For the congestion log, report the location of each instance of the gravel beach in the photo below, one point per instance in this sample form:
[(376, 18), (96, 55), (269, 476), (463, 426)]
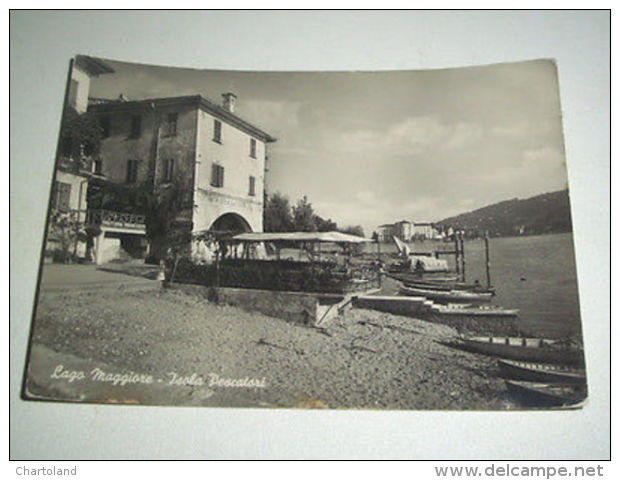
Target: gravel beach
[(200, 353)]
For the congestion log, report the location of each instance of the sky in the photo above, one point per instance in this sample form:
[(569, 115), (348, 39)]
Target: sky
[(369, 148)]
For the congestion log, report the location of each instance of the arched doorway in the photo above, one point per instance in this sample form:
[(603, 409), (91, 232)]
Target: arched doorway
[(231, 223)]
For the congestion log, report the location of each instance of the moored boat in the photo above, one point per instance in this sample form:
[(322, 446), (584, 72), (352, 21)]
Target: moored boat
[(405, 276), (447, 286), (541, 372), (544, 350), (547, 394), (455, 296)]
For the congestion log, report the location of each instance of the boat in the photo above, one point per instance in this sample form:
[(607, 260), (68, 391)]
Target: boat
[(541, 372), (446, 286), (547, 394), (454, 296), (544, 350), (405, 277), (475, 310)]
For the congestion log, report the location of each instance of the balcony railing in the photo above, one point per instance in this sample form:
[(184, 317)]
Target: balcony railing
[(109, 218)]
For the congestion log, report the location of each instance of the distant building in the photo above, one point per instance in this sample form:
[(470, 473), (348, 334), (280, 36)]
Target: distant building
[(425, 230), (403, 230), (385, 232)]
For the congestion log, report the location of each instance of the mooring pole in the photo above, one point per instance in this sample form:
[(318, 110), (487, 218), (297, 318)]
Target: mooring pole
[(456, 252), (486, 256), (462, 256), (217, 264), (379, 262)]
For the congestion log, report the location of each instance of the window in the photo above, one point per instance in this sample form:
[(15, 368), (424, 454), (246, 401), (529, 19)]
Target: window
[(217, 176), (73, 92), (104, 124), (61, 196), (217, 131), (171, 124), (252, 191), (66, 146), (168, 169), (136, 126), (132, 171), (98, 166), (252, 148)]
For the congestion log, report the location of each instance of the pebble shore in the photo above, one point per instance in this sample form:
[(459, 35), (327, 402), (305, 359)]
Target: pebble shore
[(363, 359)]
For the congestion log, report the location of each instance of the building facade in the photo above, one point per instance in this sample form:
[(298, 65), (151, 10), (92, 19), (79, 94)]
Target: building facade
[(73, 167), (197, 158), (425, 231), (403, 230)]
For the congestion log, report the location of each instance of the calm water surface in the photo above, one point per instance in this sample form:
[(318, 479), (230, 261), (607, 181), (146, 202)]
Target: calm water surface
[(535, 274)]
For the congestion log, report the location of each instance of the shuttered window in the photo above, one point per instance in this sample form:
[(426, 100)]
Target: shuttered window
[(132, 171), (104, 124), (252, 190), (136, 126), (217, 176), (252, 148), (171, 124), (168, 170), (217, 131)]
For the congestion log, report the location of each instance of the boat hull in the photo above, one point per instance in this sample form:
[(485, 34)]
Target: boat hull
[(455, 296), (413, 277), (447, 286), (538, 394), (526, 349), (537, 372)]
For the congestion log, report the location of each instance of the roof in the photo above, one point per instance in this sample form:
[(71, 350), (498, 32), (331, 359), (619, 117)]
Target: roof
[(148, 104), (92, 66), (328, 237)]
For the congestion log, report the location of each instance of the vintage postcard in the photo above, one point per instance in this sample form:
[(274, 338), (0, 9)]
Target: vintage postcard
[(344, 240)]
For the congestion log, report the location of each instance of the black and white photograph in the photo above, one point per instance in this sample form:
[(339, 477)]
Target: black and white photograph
[(395, 240)]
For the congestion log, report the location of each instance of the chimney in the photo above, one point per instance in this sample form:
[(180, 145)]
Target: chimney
[(229, 101)]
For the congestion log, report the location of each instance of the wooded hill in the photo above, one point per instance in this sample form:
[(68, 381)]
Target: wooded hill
[(546, 213)]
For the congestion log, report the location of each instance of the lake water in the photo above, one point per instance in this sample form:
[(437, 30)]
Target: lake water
[(535, 274)]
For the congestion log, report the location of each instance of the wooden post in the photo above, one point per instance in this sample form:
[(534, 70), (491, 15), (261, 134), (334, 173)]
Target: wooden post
[(488, 263), (379, 263), (462, 255), (217, 263), (456, 252)]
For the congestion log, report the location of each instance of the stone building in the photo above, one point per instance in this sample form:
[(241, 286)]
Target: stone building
[(425, 230), (73, 165), (403, 230), (186, 152)]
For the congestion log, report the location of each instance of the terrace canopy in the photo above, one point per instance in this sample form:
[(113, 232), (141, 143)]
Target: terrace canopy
[(321, 237)]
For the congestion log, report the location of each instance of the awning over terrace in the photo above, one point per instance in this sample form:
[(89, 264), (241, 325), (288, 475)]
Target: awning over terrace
[(322, 237)]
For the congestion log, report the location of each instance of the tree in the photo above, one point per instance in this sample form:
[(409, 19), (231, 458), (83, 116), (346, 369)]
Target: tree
[(163, 204), (277, 215), (80, 132), (323, 225), (356, 230), (303, 216)]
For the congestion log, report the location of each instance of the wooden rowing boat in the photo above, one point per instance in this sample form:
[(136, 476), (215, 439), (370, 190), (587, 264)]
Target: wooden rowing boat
[(446, 286), (541, 372), (547, 394), (413, 277), (544, 350), (455, 296), (475, 310)]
